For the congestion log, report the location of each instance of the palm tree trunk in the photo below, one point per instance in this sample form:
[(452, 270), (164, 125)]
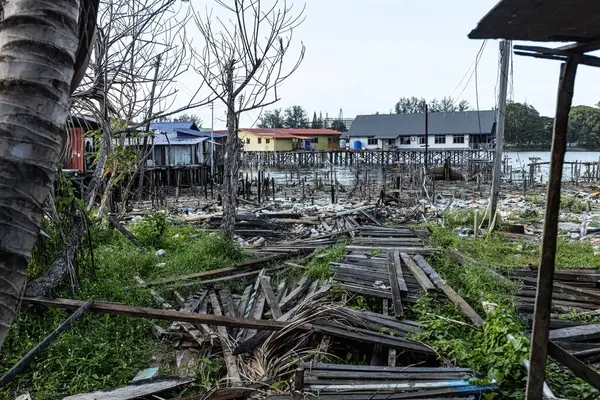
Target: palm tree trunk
[(38, 47)]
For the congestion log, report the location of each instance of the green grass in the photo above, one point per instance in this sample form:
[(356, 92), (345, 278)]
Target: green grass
[(319, 267), (100, 351), (487, 349)]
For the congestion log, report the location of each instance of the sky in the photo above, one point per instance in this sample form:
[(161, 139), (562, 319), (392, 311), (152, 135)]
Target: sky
[(362, 55)]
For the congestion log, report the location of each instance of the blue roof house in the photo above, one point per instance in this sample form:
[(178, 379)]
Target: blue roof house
[(183, 143)]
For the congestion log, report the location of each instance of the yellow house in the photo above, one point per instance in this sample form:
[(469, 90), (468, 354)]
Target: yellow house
[(289, 139)]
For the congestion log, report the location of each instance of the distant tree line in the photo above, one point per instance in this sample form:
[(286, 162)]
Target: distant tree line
[(527, 129), (182, 118), (414, 105), (297, 117)]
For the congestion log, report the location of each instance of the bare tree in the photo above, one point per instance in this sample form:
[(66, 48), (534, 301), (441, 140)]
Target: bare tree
[(124, 86), (243, 65), (44, 46)]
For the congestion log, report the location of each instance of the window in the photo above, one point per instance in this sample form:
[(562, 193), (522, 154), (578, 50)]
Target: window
[(422, 140), (372, 142), (314, 140), (405, 140), (247, 140), (259, 140), (329, 140), (268, 141), (391, 142), (440, 139), (458, 139)]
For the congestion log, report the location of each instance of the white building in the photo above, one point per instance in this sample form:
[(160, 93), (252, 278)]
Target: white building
[(446, 130)]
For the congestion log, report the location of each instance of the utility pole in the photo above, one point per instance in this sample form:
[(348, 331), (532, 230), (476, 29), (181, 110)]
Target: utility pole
[(426, 135), (505, 50), (212, 140)]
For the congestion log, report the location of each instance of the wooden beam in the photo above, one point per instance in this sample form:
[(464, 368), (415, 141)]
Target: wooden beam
[(396, 300), (43, 345), (233, 374), (399, 274), (270, 296), (448, 291), (220, 271), (133, 391), (102, 307), (580, 369), (418, 273), (543, 301)]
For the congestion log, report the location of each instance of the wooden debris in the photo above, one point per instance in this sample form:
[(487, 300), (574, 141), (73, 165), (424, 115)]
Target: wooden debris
[(233, 375), (418, 273), (170, 315), (270, 296), (43, 345), (393, 279), (133, 391), (448, 291)]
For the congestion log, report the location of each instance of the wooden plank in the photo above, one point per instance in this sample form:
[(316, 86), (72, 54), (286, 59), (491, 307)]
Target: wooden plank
[(408, 250), (366, 368), (577, 333), (579, 369), (418, 273), (43, 345), (448, 291), (566, 288), (244, 301), (366, 336), (396, 300), (169, 315), (399, 274), (133, 391), (256, 340), (227, 300), (220, 271), (270, 296), (377, 375), (312, 288), (233, 374)]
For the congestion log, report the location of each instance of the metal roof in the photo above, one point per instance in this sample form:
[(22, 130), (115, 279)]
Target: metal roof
[(541, 20), (171, 126), (174, 140), (390, 126), (200, 133)]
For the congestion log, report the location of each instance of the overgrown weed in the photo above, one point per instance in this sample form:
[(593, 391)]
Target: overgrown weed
[(101, 351)]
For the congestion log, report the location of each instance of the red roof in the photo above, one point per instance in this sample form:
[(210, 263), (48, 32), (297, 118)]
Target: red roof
[(284, 133)]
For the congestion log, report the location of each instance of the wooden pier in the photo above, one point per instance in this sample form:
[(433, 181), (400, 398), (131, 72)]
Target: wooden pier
[(308, 159)]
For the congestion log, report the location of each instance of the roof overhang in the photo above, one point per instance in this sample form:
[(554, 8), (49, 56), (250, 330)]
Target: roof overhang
[(542, 21)]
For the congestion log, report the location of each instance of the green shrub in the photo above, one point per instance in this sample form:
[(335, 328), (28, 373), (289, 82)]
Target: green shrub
[(151, 229)]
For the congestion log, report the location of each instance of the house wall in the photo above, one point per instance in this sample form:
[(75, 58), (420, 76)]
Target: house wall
[(177, 155), (250, 141), (414, 143), (324, 142)]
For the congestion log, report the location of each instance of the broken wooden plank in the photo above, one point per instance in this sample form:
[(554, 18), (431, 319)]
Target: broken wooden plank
[(577, 333), (399, 274), (227, 300), (43, 345), (220, 271), (408, 250), (270, 296), (133, 391), (233, 374), (396, 300), (579, 369), (448, 291), (130, 236), (418, 273), (256, 340), (244, 301), (366, 336), (169, 315)]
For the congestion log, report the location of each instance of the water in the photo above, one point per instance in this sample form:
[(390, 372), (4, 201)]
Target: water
[(519, 160), (346, 175)]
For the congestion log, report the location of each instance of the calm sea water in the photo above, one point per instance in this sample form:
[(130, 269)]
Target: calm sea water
[(520, 159)]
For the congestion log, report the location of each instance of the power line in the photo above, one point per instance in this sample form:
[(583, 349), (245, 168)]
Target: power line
[(477, 59)]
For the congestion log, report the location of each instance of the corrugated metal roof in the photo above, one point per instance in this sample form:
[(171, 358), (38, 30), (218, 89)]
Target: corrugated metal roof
[(171, 126), (390, 126), (200, 133), (174, 140), (290, 132)]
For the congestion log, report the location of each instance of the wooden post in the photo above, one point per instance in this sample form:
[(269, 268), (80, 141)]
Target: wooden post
[(541, 317), (23, 362)]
